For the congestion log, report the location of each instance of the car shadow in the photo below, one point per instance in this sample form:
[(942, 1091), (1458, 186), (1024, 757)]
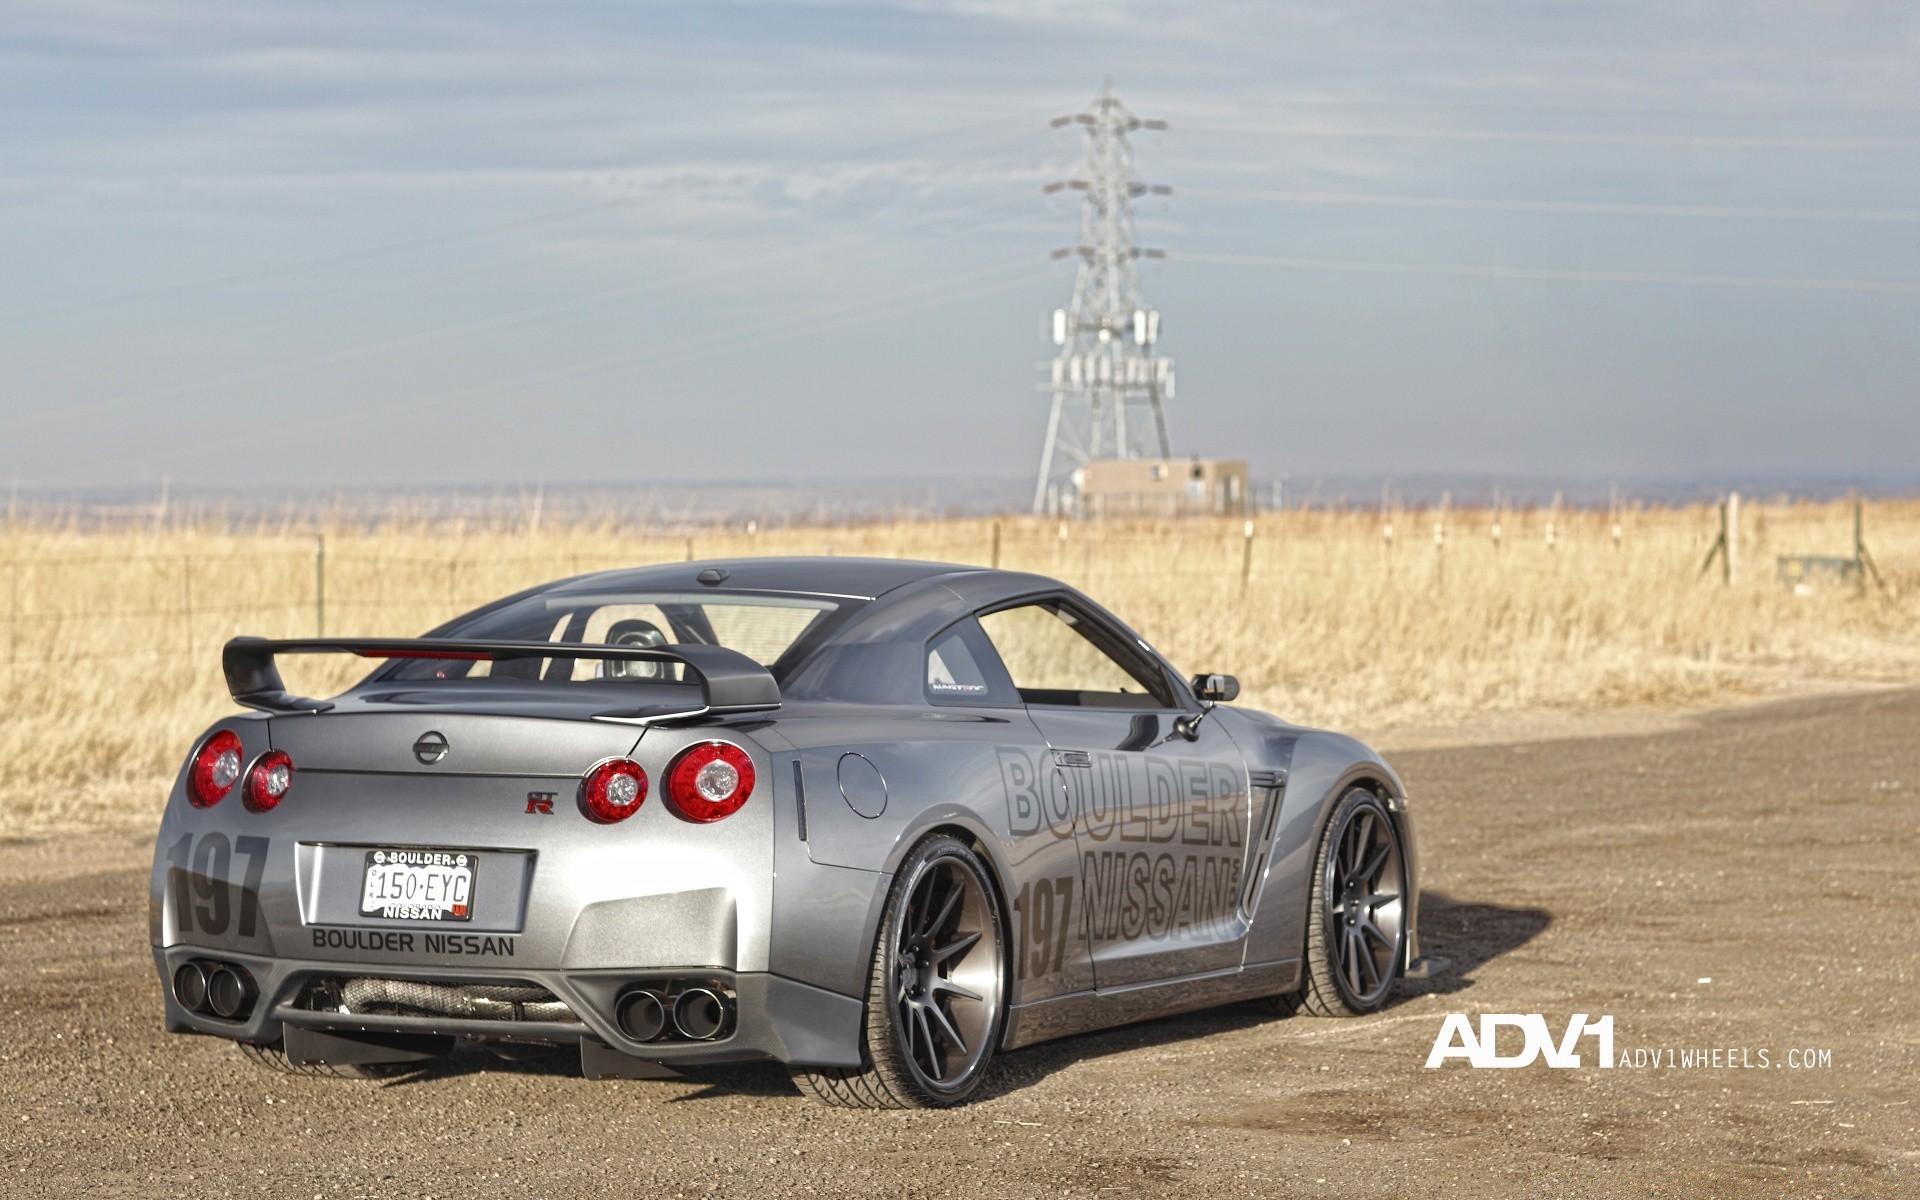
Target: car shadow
[(1467, 933), (713, 1081), (471, 1059), (738, 1079)]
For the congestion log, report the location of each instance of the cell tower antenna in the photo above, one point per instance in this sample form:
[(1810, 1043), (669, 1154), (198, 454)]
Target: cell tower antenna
[(1108, 381)]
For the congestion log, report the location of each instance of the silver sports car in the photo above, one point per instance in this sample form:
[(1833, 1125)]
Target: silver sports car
[(871, 819)]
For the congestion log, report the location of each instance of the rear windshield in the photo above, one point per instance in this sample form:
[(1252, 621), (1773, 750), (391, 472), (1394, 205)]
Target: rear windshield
[(777, 631)]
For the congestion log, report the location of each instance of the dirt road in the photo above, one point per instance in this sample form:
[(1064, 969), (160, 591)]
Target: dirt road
[(1746, 885)]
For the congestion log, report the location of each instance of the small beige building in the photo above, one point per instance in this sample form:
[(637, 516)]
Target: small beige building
[(1162, 487)]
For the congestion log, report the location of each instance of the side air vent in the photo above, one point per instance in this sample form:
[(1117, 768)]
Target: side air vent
[(1270, 782)]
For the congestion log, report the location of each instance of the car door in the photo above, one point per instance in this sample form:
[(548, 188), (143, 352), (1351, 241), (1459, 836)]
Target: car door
[(1159, 805), (964, 681)]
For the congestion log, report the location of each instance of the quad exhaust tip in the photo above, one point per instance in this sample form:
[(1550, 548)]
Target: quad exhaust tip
[(642, 1016), (699, 1013), (229, 994), (190, 987), (215, 989), (674, 1011)]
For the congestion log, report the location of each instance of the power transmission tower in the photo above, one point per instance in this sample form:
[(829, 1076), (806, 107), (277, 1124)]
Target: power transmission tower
[(1107, 381)]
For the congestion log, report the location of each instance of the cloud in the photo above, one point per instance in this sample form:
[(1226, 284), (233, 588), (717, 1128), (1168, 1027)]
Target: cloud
[(515, 157)]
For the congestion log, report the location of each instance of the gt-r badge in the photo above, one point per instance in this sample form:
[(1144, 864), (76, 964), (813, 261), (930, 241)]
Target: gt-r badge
[(431, 748), (541, 802)]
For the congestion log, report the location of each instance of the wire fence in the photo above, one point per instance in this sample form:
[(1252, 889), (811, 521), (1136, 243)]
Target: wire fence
[(64, 607)]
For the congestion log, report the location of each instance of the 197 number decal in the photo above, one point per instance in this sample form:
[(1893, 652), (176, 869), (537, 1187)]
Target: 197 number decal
[(204, 888), (1043, 947)]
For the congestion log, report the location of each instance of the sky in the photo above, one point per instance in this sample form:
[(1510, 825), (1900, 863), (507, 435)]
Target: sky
[(276, 243)]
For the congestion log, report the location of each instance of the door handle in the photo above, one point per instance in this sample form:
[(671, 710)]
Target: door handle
[(1073, 758)]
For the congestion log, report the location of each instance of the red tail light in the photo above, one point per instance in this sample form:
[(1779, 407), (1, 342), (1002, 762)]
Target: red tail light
[(216, 768), (614, 790), (710, 781), (268, 782)]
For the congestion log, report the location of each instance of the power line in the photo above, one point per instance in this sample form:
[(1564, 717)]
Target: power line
[(70, 411), (929, 294), (1559, 137), (969, 131), (1590, 110), (1567, 207), (1556, 274), (386, 250)]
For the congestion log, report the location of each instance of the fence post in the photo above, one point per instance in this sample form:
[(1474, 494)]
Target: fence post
[(1246, 553), (1386, 519), (186, 592), (1733, 536), (1863, 557), (319, 585), (1859, 548), (1718, 547), (13, 616)]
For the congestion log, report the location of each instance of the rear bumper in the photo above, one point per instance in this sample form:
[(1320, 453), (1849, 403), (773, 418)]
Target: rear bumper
[(774, 1017)]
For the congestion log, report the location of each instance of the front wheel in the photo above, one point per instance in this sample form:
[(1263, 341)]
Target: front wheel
[(936, 993), (1356, 913)]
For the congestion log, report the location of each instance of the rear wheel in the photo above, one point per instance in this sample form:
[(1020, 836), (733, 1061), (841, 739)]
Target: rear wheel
[(274, 1058), (1356, 913), (936, 993)]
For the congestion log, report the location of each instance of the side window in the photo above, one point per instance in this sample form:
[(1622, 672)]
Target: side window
[(1057, 656), (961, 669)]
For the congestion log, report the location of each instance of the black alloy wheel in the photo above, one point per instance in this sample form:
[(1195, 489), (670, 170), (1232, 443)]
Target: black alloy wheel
[(936, 996), (1356, 922)]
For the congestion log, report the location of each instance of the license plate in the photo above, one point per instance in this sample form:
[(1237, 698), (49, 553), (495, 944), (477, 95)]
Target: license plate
[(419, 885)]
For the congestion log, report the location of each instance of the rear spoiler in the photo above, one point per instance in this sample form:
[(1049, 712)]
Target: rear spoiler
[(729, 680)]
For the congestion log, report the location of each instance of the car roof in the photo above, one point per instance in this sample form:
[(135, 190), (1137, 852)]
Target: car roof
[(859, 578)]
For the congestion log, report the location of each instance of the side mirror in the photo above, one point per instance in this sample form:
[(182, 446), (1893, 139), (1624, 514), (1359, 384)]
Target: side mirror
[(1216, 689)]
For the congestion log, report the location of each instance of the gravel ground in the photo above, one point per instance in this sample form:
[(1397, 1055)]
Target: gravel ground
[(1746, 883)]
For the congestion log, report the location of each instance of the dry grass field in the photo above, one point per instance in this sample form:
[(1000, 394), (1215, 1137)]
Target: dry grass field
[(112, 637)]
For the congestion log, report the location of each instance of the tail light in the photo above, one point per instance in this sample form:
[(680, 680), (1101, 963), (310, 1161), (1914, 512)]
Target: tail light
[(710, 781), (614, 790), (216, 768), (268, 782)]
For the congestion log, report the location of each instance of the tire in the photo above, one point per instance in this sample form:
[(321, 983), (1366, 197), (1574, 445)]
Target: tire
[(274, 1058), (936, 990), (1356, 913)]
